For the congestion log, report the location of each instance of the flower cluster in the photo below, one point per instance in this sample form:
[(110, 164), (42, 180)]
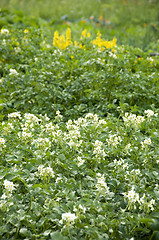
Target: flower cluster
[(98, 151), (128, 148), (45, 172), (63, 42), (146, 205), (101, 184), (149, 113), (68, 218), (42, 143), (24, 135), (146, 143), (49, 127), (120, 164), (85, 34), (131, 120), (2, 141), (71, 151), (133, 175), (13, 72), (114, 140), (103, 43), (14, 115), (80, 161), (9, 186), (58, 115), (4, 31), (134, 200), (7, 127), (31, 118)]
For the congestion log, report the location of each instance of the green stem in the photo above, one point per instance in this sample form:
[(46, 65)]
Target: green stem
[(68, 229)]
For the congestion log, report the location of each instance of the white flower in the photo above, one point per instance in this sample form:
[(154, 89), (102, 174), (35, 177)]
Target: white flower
[(58, 179), (46, 171), (152, 202), (112, 55), (137, 171), (101, 184), (50, 171), (132, 196), (150, 59), (68, 217), (14, 115), (4, 31), (149, 113), (81, 208), (146, 142), (2, 141), (71, 143), (4, 196), (142, 200), (89, 115), (17, 49), (57, 112), (8, 185), (98, 143), (102, 121), (13, 72), (80, 161), (133, 120), (1, 80), (31, 118), (40, 168), (4, 42), (26, 135), (114, 140)]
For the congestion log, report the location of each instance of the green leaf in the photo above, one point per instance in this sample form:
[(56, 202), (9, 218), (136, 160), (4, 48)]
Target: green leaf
[(61, 157), (58, 236), (146, 220), (155, 225), (24, 232), (47, 232)]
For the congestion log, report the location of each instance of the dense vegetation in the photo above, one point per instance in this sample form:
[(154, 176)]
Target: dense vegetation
[(79, 121)]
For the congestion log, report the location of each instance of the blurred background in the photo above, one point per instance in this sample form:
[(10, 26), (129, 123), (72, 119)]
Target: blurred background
[(133, 22)]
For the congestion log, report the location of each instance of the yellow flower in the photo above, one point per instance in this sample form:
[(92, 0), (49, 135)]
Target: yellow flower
[(26, 31), (103, 43), (68, 36), (84, 33), (76, 43), (60, 41), (55, 39)]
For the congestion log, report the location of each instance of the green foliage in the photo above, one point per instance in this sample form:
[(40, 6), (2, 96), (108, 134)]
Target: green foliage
[(78, 131), (74, 81), (102, 171), (134, 23)]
